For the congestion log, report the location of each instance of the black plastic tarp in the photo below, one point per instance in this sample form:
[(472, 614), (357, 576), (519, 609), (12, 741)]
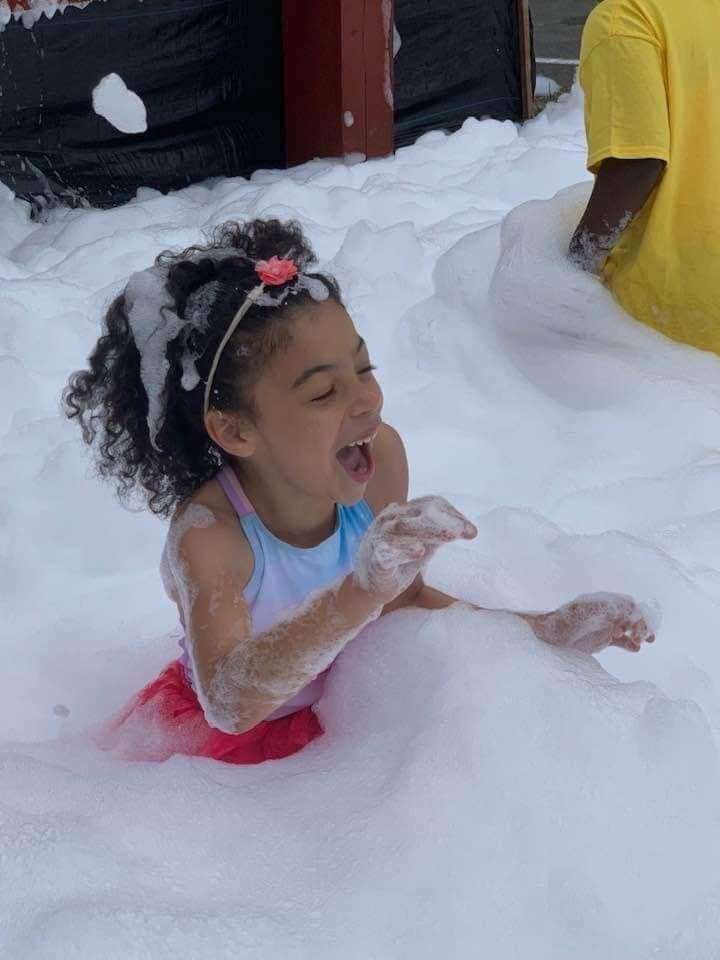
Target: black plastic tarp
[(458, 58), (208, 71)]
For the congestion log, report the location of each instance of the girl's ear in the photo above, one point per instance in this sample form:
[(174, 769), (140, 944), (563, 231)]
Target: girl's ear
[(232, 432)]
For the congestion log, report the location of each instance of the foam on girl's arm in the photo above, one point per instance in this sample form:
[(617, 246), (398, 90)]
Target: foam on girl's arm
[(263, 672), (241, 677), (278, 663)]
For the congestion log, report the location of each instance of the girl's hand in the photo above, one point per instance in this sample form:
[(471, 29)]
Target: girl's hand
[(595, 621), (400, 542)]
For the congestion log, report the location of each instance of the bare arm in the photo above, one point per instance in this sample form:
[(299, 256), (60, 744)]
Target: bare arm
[(243, 678), (588, 623), (622, 187)]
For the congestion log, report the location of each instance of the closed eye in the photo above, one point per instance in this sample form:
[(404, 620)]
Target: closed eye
[(324, 396), (329, 393)]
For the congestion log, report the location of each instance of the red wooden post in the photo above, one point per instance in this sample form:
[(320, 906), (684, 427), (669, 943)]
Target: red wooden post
[(338, 78), (525, 55)]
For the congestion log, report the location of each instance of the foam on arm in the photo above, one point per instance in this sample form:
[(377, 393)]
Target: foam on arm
[(243, 677)]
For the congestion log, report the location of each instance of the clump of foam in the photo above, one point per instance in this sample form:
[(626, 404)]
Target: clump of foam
[(154, 325), (315, 286), (36, 10), (119, 106), (190, 375), (200, 303)]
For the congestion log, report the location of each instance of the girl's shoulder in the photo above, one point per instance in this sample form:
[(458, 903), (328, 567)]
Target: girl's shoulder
[(206, 540), (390, 481)]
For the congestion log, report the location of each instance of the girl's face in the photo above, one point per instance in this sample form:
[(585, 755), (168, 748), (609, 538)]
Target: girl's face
[(319, 407)]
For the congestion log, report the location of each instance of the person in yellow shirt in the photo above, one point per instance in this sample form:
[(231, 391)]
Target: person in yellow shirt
[(650, 71)]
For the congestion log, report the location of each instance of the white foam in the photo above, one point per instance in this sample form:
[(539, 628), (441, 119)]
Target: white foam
[(154, 325), (476, 789), (119, 106), (37, 9), (546, 86)]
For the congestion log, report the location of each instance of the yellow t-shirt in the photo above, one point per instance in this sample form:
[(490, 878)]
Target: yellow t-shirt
[(650, 70)]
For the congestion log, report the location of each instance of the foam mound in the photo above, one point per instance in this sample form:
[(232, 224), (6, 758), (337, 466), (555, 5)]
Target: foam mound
[(476, 792)]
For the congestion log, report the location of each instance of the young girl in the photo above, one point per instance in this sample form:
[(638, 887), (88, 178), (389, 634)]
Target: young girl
[(231, 387)]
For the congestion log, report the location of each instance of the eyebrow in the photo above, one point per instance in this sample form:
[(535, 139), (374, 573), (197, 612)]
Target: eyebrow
[(322, 368)]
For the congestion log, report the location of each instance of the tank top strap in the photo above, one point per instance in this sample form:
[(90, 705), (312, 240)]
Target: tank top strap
[(228, 480)]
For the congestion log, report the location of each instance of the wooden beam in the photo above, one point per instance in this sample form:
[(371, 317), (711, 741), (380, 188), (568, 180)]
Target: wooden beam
[(525, 54), (338, 78), (379, 88)]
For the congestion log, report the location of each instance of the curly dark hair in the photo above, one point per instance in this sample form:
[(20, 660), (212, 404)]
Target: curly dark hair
[(109, 399)]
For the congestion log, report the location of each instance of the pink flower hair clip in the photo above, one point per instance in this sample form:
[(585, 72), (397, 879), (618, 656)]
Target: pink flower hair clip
[(275, 272)]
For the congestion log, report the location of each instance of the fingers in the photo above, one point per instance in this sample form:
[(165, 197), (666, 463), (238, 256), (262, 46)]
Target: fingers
[(433, 510), (631, 635), (427, 532), (630, 646), (465, 529), (397, 551), (627, 625), (427, 518), (626, 643), (639, 632)]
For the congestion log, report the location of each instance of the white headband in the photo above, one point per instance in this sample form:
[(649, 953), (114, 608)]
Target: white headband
[(249, 300)]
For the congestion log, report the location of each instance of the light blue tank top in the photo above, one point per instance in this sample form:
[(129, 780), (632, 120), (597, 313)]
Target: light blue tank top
[(284, 576)]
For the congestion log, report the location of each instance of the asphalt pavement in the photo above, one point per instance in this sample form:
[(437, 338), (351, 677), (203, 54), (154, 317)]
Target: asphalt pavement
[(558, 27)]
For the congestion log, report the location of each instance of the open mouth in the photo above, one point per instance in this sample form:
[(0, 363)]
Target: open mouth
[(356, 459)]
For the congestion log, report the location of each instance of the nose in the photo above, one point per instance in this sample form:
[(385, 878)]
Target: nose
[(368, 400)]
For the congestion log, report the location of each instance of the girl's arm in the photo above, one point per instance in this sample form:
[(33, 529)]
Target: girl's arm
[(243, 677), (589, 623)]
